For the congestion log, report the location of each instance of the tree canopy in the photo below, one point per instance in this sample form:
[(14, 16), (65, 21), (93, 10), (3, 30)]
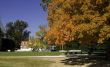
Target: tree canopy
[(17, 31), (87, 21)]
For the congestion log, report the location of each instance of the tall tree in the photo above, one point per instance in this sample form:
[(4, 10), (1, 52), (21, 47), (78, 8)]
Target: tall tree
[(87, 21), (17, 31), (79, 19)]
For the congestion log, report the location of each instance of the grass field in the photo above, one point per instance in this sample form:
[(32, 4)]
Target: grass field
[(30, 53), (23, 62), (12, 59)]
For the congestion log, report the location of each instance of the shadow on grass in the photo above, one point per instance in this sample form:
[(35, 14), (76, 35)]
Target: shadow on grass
[(91, 61)]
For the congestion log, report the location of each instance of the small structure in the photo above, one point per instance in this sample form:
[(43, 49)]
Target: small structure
[(25, 46)]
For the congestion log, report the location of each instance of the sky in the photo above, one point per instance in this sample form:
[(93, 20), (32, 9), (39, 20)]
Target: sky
[(26, 10)]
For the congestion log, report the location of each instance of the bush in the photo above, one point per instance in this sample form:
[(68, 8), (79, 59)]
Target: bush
[(7, 44)]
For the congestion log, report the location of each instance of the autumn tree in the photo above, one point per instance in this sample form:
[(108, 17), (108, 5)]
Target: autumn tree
[(87, 21)]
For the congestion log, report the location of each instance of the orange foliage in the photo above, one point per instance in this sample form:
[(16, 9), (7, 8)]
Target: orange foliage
[(85, 20)]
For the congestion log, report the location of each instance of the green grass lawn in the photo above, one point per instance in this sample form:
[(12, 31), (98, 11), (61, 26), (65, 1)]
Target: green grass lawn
[(12, 59), (30, 53), (23, 62)]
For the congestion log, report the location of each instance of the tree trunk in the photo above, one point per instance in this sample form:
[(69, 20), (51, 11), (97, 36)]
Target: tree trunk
[(107, 50)]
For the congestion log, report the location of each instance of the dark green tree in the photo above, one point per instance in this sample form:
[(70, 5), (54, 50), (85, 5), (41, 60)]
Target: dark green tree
[(25, 35), (17, 31)]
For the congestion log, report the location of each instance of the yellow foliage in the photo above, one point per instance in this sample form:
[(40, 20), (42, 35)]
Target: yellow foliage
[(85, 20)]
